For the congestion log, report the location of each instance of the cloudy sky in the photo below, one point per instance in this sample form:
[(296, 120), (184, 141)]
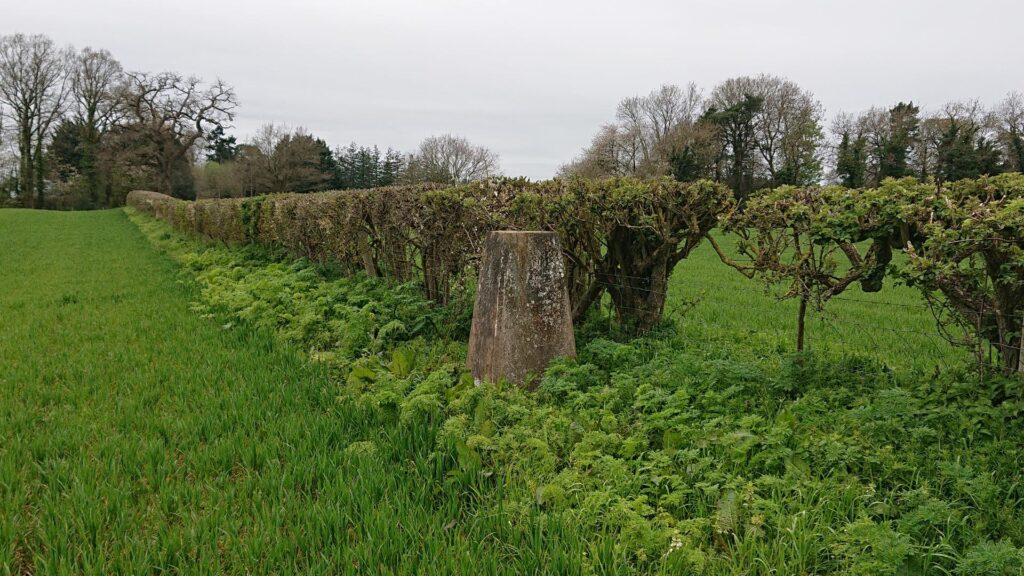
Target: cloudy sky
[(534, 79)]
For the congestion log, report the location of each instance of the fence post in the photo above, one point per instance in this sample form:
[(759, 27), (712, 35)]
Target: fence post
[(521, 318)]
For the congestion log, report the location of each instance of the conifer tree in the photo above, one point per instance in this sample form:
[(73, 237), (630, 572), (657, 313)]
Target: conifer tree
[(851, 162), (896, 145)]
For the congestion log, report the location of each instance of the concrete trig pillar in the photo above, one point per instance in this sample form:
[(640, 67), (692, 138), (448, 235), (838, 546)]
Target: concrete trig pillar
[(521, 318)]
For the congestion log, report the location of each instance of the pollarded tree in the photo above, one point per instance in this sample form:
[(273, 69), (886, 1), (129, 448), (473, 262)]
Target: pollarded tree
[(811, 240), (624, 236), (970, 264)]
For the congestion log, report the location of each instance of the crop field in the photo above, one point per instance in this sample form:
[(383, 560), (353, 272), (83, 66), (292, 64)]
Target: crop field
[(140, 437), (175, 405)]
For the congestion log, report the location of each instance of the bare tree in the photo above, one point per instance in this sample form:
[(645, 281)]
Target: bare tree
[(167, 114), (790, 133), (669, 106), (784, 130), (612, 152), (1008, 119), (451, 159), (646, 133), (278, 160), (34, 86), (96, 79)]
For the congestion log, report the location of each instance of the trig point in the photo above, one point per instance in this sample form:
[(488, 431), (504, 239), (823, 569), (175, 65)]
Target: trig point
[(521, 319)]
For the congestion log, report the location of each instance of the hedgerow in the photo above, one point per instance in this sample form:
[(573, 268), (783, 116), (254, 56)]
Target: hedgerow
[(623, 237), (697, 463), (620, 236)]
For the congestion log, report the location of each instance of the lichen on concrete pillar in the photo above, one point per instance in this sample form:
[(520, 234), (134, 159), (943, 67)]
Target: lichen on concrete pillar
[(521, 318)]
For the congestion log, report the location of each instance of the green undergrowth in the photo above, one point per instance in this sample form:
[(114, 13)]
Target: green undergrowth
[(662, 453)]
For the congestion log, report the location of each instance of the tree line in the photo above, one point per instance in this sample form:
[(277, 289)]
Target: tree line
[(80, 131), (278, 159), (77, 130), (764, 131)]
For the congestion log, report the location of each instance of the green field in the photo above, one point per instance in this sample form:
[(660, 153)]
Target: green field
[(743, 316), (159, 413), (139, 437)]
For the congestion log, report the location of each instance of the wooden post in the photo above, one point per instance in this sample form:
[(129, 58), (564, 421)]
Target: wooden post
[(521, 318)]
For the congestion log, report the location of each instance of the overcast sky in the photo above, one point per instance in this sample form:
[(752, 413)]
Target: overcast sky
[(534, 79)]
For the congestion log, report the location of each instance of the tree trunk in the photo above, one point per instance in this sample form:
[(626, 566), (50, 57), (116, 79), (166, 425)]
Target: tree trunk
[(800, 323), (40, 177), (1010, 341), (92, 177), (1007, 318), (27, 167), (366, 255), (586, 300), (637, 279), (1010, 355), (167, 175)]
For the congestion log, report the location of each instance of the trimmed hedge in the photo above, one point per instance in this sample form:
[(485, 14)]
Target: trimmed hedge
[(620, 236)]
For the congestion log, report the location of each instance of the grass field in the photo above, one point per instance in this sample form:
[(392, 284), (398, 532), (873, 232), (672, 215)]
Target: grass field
[(743, 316), (155, 420), (139, 437)]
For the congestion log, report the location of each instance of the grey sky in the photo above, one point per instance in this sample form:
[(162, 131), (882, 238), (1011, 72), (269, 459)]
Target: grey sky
[(530, 79)]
